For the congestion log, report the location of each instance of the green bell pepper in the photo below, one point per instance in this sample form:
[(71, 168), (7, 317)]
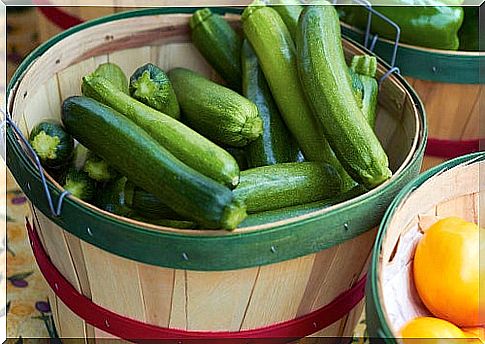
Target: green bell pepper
[(425, 23)]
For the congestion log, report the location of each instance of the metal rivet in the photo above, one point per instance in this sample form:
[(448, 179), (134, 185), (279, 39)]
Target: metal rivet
[(185, 256), (434, 69), (58, 61), (56, 286), (106, 323), (89, 231), (273, 249), (25, 94), (315, 324), (346, 226), (28, 185)]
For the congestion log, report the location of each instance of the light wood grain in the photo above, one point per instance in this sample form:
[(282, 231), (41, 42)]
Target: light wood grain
[(178, 313), (71, 326), (114, 282)]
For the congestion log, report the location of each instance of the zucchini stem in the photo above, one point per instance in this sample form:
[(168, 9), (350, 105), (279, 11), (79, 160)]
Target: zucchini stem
[(45, 146)]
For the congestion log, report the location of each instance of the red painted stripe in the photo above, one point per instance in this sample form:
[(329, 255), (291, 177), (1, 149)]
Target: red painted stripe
[(450, 148), (57, 16), (137, 331)]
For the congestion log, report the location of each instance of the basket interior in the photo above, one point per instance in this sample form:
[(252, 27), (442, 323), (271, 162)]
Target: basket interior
[(165, 41), (454, 192)]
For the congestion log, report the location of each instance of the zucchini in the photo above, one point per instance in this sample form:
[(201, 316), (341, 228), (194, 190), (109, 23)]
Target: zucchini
[(187, 145), (284, 185), (289, 11), (98, 169), (147, 204), (52, 144), (136, 155), (275, 145), (219, 44), (215, 111), (273, 45), (240, 155), (112, 198), (357, 87), (364, 68), (114, 74), (326, 80), (299, 210), (150, 85), (79, 184)]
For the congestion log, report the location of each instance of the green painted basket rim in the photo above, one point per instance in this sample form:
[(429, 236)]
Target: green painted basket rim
[(446, 66), (372, 288), (209, 253)]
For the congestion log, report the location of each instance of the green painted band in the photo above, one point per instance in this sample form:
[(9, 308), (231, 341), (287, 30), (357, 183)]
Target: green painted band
[(376, 322), (427, 64), (208, 253)]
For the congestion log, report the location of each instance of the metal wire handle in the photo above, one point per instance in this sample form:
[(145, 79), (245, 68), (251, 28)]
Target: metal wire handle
[(56, 211)]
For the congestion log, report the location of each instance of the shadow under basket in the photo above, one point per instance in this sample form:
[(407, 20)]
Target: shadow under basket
[(454, 188), (115, 277)]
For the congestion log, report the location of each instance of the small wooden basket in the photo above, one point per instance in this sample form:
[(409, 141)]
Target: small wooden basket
[(454, 188), (111, 275)]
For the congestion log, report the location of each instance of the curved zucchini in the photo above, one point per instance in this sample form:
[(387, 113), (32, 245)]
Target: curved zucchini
[(136, 155), (114, 74), (284, 185), (187, 145), (219, 44), (275, 145), (326, 80), (52, 144), (150, 85), (272, 43), (215, 111)]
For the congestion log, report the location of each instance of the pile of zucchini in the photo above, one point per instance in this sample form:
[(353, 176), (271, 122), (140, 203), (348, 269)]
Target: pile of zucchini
[(290, 131)]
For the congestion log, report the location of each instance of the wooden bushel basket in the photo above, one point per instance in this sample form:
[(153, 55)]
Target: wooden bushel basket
[(454, 188), (450, 85), (115, 277)]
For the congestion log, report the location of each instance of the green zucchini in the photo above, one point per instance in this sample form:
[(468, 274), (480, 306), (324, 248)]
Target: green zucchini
[(136, 155), (98, 169), (289, 11), (79, 184), (114, 74), (52, 144), (219, 44), (273, 45), (299, 210), (326, 80), (187, 145), (284, 185), (275, 145), (215, 111), (112, 197), (363, 68), (150, 85), (147, 204)]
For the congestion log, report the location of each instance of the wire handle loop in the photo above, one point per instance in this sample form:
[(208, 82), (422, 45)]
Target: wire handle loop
[(56, 211), (367, 5)]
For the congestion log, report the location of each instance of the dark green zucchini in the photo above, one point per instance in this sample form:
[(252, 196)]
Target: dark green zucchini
[(219, 44), (112, 197), (136, 155), (288, 184), (326, 80), (79, 184), (147, 204), (98, 169), (187, 145), (299, 210), (150, 85), (289, 11), (114, 74), (52, 144), (273, 45), (215, 111), (276, 144)]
